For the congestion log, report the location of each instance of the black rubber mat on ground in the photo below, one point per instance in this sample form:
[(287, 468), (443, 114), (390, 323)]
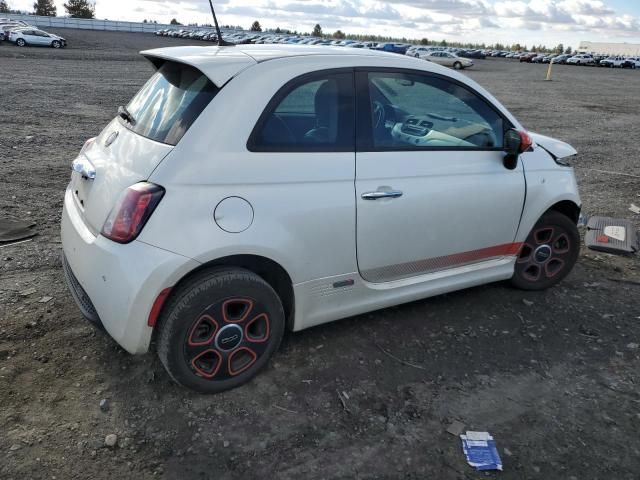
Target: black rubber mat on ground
[(15, 230), (611, 235)]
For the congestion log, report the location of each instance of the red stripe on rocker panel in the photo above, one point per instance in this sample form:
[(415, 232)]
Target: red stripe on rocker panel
[(429, 265)]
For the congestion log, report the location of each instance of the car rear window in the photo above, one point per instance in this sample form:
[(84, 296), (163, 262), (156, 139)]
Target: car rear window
[(169, 103)]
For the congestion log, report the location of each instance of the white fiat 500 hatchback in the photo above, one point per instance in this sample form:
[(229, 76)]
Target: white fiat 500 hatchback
[(249, 189)]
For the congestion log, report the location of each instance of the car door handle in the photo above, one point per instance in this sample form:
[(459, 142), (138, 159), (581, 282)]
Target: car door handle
[(381, 194)]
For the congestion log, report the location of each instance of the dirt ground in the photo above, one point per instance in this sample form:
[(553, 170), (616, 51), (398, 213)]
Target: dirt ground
[(554, 376)]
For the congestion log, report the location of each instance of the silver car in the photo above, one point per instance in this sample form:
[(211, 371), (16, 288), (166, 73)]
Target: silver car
[(32, 36)]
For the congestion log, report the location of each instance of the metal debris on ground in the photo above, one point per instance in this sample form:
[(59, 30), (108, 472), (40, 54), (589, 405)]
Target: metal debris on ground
[(27, 292), (45, 299), (15, 230), (480, 450), (634, 208), (611, 235)]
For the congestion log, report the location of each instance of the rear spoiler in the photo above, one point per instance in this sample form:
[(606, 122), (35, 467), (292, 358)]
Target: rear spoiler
[(219, 64)]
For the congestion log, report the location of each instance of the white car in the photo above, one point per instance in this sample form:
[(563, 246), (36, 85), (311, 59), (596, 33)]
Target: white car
[(447, 59), (7, 26), (635, 61), (417, 51), (31, 36), (582, 59), (238, 194)]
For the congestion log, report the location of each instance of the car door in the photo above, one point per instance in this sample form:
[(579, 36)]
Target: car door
[(448, 60), (436, 57), (43, 38), (432, 191), (29, 37)]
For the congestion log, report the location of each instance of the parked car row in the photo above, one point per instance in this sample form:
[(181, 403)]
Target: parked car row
[(22, 34), (450, 57), (241, 38), (457, 58), (583, 59), (6, 25)]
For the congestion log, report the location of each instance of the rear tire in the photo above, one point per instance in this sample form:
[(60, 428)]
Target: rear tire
[(219, 329), (20, 42), (549, 253)]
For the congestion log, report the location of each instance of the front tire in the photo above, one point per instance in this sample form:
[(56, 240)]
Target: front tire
[(56, 44), (549, 253), (20, 42), (219, 329), (457, 66)]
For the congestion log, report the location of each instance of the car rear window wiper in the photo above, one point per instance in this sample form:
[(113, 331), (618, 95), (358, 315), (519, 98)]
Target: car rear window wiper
[(124, 113)]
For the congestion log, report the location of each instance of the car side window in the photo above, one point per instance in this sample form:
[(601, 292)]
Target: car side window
[(416, 111), (312, 113)]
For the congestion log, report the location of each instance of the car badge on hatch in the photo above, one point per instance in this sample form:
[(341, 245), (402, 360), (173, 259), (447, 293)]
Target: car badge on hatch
[(111, 138)]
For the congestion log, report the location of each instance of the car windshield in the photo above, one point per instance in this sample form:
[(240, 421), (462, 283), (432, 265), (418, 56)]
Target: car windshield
[(169, 103)]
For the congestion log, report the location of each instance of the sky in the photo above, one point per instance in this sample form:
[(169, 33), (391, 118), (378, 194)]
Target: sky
[(528, 22)]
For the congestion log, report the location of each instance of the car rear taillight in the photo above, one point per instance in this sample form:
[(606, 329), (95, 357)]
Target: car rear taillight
[(132, 210)]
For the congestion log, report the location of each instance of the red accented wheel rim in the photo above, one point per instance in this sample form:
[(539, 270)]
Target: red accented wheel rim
[(544, 254), (227, 338)]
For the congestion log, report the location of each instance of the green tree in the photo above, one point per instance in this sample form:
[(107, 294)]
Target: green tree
[(424, 41), (559, 48), (45, 8), (339, 34), (317, 30), (568, 51), (80, 9), (255, 26), (443, 43), (4, 7), (174, 22)]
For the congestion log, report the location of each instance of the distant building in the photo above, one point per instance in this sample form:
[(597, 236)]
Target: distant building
[(627, 49)]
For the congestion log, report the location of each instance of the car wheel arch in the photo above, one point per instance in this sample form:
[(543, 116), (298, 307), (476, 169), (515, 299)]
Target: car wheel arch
[(568, 208), (269, 270)]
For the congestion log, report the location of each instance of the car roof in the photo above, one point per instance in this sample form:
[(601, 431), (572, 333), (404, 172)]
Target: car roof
[(220, 64)]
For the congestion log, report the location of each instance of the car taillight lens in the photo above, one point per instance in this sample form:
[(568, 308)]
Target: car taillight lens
[(132, 210)]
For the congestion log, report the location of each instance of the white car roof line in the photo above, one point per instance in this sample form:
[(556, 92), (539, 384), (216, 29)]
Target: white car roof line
[(301, 54)]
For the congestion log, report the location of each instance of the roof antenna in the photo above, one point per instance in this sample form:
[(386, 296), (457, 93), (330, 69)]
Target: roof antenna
[(221, 42)]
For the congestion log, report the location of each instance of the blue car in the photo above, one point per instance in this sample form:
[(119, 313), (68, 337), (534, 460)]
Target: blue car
[(393, 47)]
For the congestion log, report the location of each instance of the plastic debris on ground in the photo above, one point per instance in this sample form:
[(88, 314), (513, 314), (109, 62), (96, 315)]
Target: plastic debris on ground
[(15, 230), (480, 450), (611, 235)]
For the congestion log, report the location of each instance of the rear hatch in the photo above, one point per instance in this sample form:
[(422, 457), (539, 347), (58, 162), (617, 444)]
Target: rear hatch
[(139, 138)]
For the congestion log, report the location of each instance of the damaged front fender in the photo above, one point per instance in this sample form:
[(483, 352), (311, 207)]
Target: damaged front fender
[(556, 148)]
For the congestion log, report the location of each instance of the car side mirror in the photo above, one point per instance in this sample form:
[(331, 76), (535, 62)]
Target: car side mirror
[(515, 143)]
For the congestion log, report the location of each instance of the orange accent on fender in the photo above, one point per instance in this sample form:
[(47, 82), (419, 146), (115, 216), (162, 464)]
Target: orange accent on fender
[(506, 249), (157, 307)]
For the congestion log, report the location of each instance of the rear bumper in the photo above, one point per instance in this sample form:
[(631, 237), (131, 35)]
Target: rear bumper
[(115, 285), (80, 296)]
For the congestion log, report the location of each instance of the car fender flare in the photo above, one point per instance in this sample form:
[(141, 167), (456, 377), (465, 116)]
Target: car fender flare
[(569, 205), (272, 271)]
